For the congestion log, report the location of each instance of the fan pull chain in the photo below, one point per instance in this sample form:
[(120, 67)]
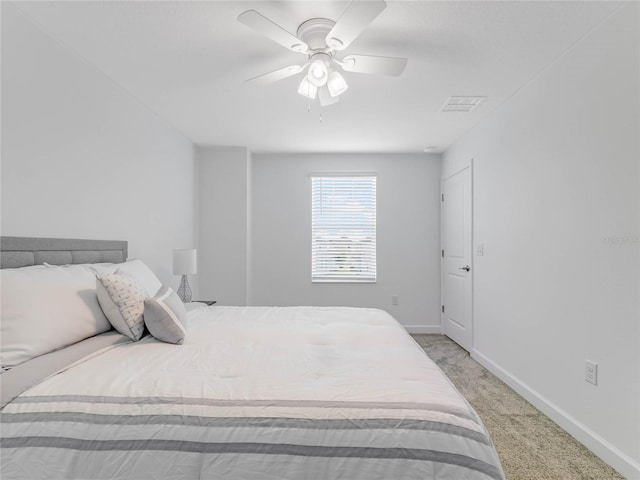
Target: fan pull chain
[(320, 117)]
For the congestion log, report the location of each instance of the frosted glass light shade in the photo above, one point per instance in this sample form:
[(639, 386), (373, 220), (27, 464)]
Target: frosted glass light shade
[(318, 73), (307, 89), (185, 261), (336, 84)]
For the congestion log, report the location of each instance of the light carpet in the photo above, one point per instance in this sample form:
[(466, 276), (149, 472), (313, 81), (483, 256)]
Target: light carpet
[(530, 445)]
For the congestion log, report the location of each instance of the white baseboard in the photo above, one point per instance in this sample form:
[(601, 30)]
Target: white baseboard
[(624, 464), (423, 329)]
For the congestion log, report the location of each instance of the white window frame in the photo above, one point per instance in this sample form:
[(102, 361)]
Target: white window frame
[(368, 226)]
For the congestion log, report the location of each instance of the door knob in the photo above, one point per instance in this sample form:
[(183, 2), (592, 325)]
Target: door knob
[(466, 268)]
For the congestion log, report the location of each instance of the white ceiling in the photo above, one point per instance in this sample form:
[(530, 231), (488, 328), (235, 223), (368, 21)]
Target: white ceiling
[(187, 61)]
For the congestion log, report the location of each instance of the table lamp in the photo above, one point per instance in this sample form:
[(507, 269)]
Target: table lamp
[(185, 262)]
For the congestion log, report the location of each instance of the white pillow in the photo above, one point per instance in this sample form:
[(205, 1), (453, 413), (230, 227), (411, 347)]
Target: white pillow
[(143, 274), (122, 300), (46, 308)]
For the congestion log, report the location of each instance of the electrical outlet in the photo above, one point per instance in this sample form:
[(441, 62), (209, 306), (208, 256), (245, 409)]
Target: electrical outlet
[(394, 299), (591, 372)]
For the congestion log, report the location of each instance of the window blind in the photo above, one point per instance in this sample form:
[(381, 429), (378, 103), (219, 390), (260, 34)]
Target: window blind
[(343, 222)]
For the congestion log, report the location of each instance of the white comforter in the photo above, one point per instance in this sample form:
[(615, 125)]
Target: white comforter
[(254, 393)]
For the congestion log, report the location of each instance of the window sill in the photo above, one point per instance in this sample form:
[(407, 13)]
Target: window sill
[(335, 280)]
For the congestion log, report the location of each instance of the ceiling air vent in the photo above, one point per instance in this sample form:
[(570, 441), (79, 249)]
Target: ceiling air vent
[(462, 104)]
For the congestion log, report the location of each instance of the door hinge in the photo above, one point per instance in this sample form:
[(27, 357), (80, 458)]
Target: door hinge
[(442, 196), (442, 308), (442, 253)]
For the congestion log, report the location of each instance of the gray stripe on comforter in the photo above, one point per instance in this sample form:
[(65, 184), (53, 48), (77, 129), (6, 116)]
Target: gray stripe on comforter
[(247, 422), (210, 402), (255, 448), (28, 374)]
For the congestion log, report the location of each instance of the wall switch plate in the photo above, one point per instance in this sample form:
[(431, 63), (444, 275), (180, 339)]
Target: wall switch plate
[(479, 249), (591, 372), (394, 299)]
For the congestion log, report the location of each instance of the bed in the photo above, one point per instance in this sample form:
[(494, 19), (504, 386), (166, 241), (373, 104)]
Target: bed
[(251, 393)]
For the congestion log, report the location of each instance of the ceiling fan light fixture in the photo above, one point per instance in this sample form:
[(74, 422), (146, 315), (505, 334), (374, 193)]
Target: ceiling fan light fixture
[(318, 72), (307, 89), (319, 39), (337, 84)]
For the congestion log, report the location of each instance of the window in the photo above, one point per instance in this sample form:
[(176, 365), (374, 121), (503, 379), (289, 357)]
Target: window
[(343, 224)]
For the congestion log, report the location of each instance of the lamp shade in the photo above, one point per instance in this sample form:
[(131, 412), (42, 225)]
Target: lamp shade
[(318, 72), (337, 84), (185, 261), (307, 88)]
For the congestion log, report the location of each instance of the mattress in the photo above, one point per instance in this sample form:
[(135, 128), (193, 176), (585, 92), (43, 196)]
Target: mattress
[(253, 393)]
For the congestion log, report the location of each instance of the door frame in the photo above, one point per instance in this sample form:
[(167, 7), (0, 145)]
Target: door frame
[(468, 164)]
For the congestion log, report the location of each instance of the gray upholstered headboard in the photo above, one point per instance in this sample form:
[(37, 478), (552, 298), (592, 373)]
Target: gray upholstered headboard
[(25, 251)]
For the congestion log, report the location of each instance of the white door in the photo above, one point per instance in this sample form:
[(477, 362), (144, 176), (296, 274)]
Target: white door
[(457, 278)]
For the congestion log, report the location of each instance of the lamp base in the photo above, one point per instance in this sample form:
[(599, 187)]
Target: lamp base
[(184, 290)]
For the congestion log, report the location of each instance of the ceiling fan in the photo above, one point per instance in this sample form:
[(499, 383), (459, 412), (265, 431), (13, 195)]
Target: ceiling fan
[(322, 40)]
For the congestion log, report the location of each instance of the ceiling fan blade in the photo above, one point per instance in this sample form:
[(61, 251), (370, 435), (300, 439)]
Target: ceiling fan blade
[(269, 29), (325, 97), (357, 16), (377, 65), (278, 74)]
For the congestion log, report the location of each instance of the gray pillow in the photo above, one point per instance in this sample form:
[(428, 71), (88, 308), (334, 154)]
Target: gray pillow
[(165, 315)]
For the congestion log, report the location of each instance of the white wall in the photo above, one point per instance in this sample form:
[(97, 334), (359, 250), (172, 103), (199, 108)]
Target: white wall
[(223, 179), (408, 248), (82, 158), (557, 207)]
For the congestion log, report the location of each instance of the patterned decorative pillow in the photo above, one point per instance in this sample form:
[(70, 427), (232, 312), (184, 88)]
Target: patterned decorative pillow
[(122, 300), (165, 316)]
